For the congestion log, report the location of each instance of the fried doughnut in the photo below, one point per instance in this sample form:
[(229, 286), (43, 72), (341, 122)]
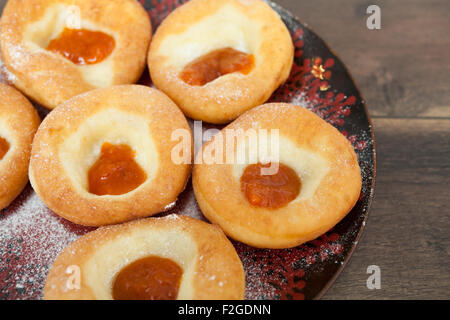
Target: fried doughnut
[(315, 182), (55, 50), (217, 59), (175, 257), (18, 124), (104, 157)]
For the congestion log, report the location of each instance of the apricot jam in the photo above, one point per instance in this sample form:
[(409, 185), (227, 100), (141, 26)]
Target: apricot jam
[(216, 64), (83, 46), (151, 278), (4, 147), (270, 191), (115, 172)]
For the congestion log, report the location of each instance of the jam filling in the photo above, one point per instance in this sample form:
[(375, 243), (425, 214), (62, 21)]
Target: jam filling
[(151, 278), (83, 46), (4, 148), (115, 172), (270, 191), (216, 64)]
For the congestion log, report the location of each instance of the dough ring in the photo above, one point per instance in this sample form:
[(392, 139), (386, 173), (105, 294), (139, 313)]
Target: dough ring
[(315, 185), (244, 41), (18, 124), (55, 50), (105, 156), (206, 260)]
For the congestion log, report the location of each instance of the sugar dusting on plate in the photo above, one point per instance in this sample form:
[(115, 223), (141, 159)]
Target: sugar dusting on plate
[(31, 237)]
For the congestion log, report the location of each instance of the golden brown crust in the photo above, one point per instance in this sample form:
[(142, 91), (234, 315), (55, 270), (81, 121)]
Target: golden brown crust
[(229, 96), (18, 124), (50, 79), (334, 174), (55, 165), (214, 271)]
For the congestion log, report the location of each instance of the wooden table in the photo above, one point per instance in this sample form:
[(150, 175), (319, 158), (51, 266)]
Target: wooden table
[(403, 71)]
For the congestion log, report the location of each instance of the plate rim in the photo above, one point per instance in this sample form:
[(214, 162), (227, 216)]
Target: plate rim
[(371, 197), (363, 224)]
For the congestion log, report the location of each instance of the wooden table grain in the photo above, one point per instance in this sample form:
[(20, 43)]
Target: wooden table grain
[(403, 72)]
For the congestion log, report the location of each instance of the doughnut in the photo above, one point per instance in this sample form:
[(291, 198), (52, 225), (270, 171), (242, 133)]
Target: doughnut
[(18, 124), (105, 156), (175, 257), (218, 59), (55, 50), (277, 177)]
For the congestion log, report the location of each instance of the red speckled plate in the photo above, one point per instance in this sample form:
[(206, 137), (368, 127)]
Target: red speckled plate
[(31, 236)]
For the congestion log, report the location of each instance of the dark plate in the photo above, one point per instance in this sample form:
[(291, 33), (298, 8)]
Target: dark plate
[(31, 236)]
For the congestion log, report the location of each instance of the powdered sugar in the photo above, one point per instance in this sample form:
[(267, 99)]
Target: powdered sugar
[(31, 236), (5, 74)]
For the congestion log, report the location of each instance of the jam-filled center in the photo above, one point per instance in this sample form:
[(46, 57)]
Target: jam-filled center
[(270, 191), (4, 148), (216, 64), (151, 278), (115, 172), (83, 46)]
